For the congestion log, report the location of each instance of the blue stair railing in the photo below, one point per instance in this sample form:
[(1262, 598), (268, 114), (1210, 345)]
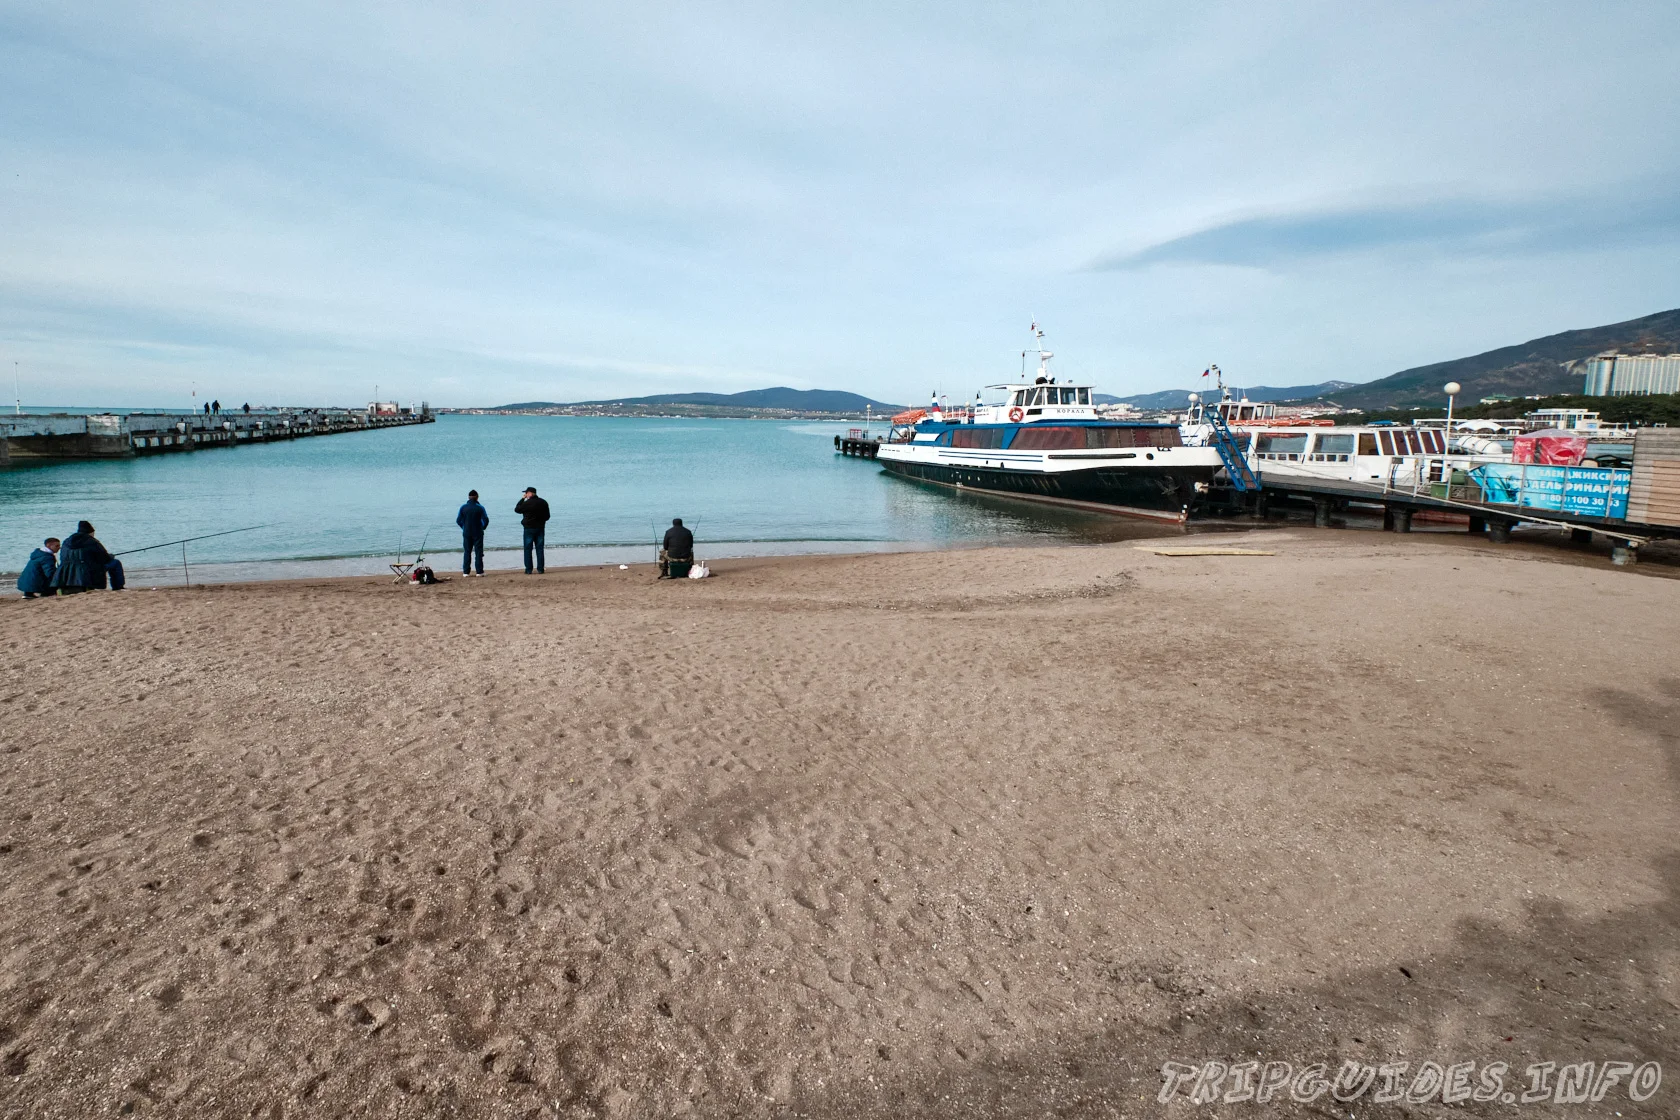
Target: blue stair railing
[(1230, 452)]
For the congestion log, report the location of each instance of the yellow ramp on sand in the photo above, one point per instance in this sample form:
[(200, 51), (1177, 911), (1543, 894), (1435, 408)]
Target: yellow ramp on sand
[(1203, 551)]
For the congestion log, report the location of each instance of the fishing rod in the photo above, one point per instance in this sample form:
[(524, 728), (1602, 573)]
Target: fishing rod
[(188, 540)]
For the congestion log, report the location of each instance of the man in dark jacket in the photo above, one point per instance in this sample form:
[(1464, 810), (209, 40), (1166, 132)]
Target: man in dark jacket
[(473, 520), (82, 564), (678, 545), (533, 514), (37, 575)]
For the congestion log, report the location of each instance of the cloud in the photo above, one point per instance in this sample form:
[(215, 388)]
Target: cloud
[(541, 201), (1456, 226)]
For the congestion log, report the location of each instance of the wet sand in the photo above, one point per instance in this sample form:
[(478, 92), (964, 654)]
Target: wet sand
[(941, 834)]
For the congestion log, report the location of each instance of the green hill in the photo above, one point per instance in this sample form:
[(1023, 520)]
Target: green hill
[(1536, 367)]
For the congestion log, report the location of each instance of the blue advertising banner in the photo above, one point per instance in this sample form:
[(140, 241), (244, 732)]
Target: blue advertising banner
[(1583, 491)]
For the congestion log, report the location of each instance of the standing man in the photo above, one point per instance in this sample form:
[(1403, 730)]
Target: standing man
[(533, 514), (473, 520), (37, 575)]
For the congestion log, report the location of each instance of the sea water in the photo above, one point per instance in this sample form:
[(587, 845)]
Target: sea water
[(353, 502)]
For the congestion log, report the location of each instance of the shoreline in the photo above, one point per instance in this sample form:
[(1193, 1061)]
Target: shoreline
[(1534, 542)]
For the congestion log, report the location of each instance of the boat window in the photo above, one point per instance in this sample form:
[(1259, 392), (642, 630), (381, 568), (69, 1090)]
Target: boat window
[(943, 439), (1041, 437), (1135, 435), (1367, 443), (1070, 395), (1019, 398), (1432, 441), (1278, 445), (1340, 444), (1111, 437), (1084, 396), (1412, 443), (1385, 441), (977, 437)]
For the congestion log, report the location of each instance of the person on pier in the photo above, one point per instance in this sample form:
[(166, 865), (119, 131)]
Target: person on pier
[(37, 575), (473, 520)]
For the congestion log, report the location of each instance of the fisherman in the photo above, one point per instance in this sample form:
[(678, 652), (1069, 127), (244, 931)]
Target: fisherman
[(473, 520), (533, 514), (37, 575), (678, 545), (84, 565)]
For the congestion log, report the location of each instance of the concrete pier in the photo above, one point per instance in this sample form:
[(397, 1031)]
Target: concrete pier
[(57, 436)]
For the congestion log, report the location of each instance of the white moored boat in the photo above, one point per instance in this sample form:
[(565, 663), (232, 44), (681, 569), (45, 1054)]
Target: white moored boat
[(1045, 441)]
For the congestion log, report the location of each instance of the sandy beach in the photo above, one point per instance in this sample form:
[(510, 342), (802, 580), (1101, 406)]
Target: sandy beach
[(982, 833)]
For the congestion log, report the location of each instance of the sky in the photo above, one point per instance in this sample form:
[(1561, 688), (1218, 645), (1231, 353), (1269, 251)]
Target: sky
[(474, 204)]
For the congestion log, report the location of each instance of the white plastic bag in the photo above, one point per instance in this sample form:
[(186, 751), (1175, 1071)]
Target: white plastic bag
[(699, 571)]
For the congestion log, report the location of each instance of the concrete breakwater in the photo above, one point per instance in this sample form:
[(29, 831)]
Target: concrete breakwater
[(45, 437)]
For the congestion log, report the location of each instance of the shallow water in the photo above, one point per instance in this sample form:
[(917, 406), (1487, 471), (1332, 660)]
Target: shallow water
[(350, 503)]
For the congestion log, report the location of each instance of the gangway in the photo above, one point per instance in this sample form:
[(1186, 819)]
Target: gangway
[(1242, 478)]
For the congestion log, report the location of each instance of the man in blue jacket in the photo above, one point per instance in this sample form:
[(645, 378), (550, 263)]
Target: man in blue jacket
[(36, 577), (473, 520)]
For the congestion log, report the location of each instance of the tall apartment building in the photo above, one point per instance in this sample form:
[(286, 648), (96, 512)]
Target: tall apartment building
[(1630, 375)]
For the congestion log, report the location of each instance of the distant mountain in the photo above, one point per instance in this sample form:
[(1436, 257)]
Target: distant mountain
[(780, 397), (1175, 398), (1533, 368)]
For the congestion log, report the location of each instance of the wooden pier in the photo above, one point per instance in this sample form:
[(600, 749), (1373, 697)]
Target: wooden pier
[(1399, 507), (58, 436), (858, 443)]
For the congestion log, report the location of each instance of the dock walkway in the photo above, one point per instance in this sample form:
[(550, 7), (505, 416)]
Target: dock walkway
[(56, 436), (1400, 505)]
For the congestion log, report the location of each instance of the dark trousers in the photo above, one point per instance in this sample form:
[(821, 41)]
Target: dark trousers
[(533, 539), (472, 548), (114, 570)]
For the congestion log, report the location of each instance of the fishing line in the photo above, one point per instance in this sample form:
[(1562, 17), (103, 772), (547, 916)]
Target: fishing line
[(188, 540)]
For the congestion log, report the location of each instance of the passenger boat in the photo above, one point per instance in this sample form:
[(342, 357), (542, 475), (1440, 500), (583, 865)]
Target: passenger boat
[(1044, 441), (1386, 454)]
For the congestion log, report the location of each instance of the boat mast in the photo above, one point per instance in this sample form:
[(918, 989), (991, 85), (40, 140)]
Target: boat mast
[(1044, 355)]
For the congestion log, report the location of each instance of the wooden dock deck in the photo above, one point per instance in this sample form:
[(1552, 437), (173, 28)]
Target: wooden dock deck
[(1399, 507)]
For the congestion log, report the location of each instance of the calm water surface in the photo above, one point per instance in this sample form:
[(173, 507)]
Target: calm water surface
[(344, 504)]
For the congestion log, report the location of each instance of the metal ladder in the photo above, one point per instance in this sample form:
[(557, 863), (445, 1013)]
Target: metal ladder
[(1236, 466)]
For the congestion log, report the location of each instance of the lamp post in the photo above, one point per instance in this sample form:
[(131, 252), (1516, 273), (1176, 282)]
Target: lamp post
[(1452, 389)]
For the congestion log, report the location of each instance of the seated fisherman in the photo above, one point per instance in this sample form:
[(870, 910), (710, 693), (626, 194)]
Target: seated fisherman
[(678, 545), (37, 575), (83, 565)]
